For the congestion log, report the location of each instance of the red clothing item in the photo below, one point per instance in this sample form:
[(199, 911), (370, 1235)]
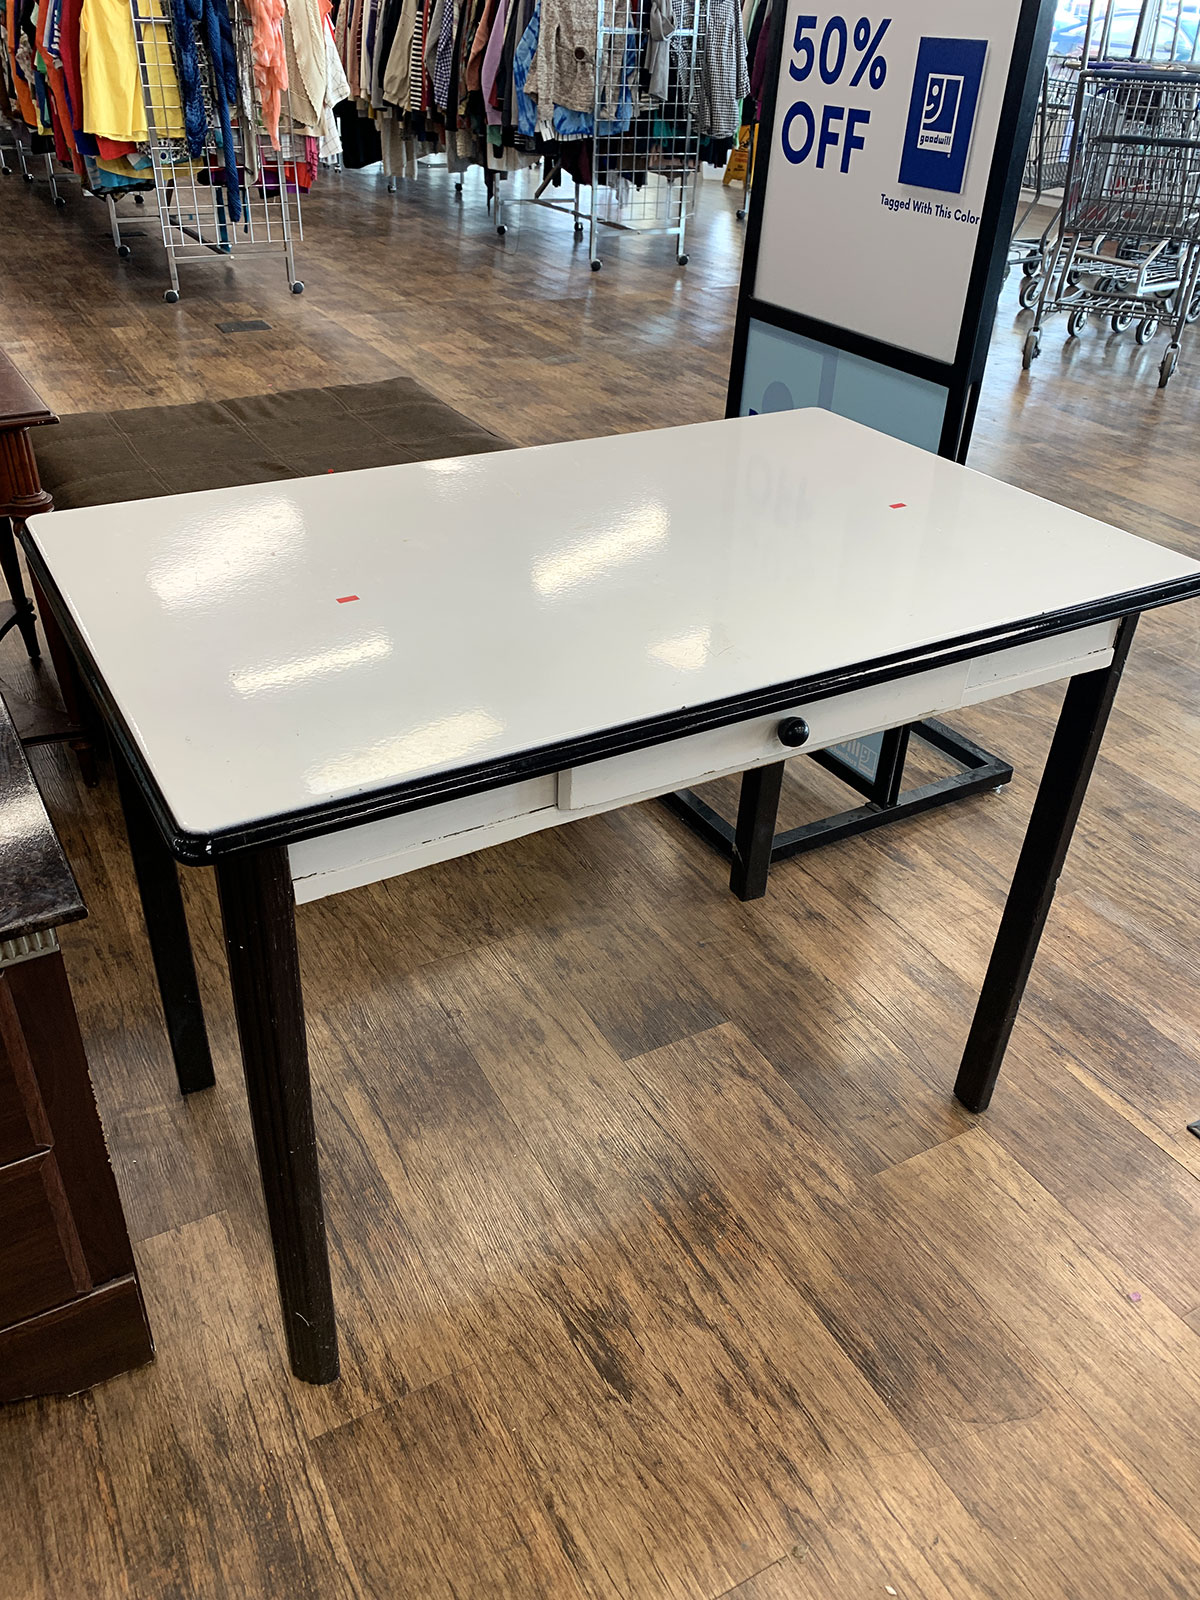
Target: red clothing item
[(68, 50), (60, 108)]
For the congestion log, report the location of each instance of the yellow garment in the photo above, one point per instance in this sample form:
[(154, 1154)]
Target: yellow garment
[(122, 167), (113, 107)]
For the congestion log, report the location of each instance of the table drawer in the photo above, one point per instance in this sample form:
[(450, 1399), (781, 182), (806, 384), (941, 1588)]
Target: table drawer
[(744, 745), (379, 850), (756, 743)]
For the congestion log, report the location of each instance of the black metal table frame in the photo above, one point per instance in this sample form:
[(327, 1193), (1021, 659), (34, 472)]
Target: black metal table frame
[(258, 906), (886, 800)]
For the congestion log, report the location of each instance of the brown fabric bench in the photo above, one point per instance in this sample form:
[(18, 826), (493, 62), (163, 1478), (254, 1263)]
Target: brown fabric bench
[(101, 458)]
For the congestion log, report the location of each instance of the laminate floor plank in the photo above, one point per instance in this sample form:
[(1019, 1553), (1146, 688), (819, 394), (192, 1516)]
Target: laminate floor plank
[(939, 1357), (799, 1002), (1068, 1515), (432, 1491), (58, 1518), (212, 1488), (1069, 1301), (1126, 1190), (896, 1529)]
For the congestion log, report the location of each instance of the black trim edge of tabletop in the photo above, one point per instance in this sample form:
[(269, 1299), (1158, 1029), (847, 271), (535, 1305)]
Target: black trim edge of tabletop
[(332, 816)]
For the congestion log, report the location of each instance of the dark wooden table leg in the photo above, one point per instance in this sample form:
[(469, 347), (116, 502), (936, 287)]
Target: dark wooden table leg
[(21, 497), (758, 812), (1064, 784), (170, 944), (259, 912)]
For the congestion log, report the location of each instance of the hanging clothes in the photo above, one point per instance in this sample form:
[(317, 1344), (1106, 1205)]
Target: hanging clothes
[(566, 70), (724, 79), (317, 82), (660, 25), (269, 58), (503, 83), (108, 68), (96, 85)]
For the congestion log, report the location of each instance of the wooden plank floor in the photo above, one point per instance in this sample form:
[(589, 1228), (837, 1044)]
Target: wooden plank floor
[(667, 1266)]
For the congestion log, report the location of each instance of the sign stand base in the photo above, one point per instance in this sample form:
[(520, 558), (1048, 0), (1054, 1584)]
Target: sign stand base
[(887, 802)]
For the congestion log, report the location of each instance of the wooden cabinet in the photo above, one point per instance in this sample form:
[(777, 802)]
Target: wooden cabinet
[(70, 1309)]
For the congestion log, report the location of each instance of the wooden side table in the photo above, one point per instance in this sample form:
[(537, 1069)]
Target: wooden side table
[(21, 496), (70, 1307)]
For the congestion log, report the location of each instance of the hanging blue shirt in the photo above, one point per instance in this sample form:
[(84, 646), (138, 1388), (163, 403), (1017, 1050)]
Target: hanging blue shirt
[(565, 123)]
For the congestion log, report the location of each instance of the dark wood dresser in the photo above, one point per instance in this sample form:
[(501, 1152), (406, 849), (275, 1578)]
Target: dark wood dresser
[(70, 1309)]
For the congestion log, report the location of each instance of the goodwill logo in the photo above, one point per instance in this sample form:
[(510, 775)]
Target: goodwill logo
[(941, 114)]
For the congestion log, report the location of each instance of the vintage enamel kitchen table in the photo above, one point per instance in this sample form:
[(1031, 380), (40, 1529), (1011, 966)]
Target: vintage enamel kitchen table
[(319, 684)]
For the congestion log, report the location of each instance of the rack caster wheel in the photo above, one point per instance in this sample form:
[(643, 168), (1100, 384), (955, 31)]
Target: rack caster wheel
[(502, 228), (579, 230), (683, 260), (59, 201), (170, 296), (596, 265), (1033, 349), (28, 176), (1076, 323), (1169, 363), (297, 287), (124, 252), (1146, 329), (139, 199), (1029, 293), (740, 214)]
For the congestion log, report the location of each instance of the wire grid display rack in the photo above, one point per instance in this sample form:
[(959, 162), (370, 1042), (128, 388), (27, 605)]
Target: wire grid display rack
[(645, 165), (1128, 244), (193, 205)]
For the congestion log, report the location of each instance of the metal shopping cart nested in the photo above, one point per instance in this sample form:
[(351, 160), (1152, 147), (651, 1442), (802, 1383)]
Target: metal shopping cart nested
[(1128, 242), (1045, 168)]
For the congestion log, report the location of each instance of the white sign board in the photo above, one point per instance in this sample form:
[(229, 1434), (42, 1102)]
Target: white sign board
[(885, 131)]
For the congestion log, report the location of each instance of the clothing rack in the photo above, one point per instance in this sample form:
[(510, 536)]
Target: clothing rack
[(29, 174), (645, 148), (628, 102), (221, 110), (239, 192)]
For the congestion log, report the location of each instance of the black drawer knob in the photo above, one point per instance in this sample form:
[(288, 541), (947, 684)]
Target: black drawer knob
[(795, 731)]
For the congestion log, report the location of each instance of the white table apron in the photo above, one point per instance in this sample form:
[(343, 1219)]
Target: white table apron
[(675, 580), (354, 857)]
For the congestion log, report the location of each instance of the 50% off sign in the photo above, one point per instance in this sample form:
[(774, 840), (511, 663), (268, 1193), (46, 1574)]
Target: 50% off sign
[(831, 136)]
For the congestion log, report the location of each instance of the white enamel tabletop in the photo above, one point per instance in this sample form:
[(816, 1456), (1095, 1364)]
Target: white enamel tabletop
[(276, 646)]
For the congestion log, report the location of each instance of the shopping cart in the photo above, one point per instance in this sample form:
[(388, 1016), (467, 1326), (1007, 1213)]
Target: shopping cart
[(1128, 241), (1045, 168)]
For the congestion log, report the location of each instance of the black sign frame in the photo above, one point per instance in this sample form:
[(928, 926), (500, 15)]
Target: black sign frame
[(962, 377)]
